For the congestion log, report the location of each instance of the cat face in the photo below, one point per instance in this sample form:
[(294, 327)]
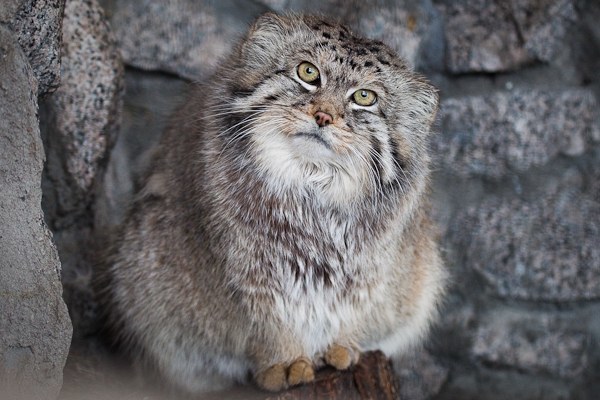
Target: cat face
[(313, 105)]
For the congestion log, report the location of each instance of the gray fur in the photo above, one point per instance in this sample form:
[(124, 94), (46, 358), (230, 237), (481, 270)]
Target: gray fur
[(260, 238)]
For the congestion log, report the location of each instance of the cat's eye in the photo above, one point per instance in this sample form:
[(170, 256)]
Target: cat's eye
[(308, 72), (364, 97)]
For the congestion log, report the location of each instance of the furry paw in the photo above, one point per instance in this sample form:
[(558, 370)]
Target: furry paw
[(273, 378), (277, 377), (341, 357), (300, 371)]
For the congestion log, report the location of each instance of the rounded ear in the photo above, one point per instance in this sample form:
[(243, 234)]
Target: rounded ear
[(264, 39), (427, 101)]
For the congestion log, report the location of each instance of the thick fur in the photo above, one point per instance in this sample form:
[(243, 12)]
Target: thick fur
[(262, 243)]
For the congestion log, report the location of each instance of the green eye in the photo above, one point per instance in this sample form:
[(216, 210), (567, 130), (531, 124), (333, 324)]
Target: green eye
[(364, 97), (308, 72)]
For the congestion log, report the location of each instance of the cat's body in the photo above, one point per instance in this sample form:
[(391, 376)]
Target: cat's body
[(282, 225)]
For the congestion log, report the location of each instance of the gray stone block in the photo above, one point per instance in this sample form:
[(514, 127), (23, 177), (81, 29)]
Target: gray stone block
[(81, 119), (495, 35), (37, 24), (541, 343), (80, 124), (539, 250), (184, 37), (514, 131), (35, 329), (420, 374)]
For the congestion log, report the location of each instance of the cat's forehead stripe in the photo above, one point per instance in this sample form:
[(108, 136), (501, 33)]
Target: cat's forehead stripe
[(353, 46)]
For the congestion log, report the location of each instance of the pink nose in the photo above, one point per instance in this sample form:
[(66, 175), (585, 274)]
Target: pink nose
[(323, 118)]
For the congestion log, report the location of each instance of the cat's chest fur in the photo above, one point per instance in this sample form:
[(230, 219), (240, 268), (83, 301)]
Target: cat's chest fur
[(321, 270)]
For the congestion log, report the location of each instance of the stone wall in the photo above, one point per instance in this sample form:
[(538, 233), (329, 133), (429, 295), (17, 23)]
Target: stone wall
[(517, 174), (516, 185)]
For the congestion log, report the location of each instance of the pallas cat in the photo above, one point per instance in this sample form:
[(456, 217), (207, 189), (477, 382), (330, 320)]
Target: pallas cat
[(283, 223)]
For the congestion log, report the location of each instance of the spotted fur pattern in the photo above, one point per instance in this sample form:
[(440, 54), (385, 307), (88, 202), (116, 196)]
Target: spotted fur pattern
[(260, 237)]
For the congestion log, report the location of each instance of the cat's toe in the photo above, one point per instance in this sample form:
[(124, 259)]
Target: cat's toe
[(300, 371), (273, 378), (341, 357)]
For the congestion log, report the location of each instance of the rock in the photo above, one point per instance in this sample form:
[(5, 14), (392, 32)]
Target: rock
[(531, 343), (34, 323), (84, 113), (37, 24), (80, 124), (537, 250), (513, 131), (495, 35), (420, 375), (184, 37)]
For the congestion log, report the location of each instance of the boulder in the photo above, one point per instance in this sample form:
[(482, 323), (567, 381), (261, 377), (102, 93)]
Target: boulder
[(80, 122), (37, 24), (34, 323)]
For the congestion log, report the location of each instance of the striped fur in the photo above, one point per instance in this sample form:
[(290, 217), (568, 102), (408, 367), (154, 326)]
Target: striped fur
[(260, 238)]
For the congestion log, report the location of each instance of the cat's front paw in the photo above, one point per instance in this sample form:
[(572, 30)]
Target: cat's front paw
[(278, 377), (273, 378), (341, 357), (300, 371)]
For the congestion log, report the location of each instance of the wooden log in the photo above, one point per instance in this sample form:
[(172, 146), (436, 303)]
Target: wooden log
[(372, 378)]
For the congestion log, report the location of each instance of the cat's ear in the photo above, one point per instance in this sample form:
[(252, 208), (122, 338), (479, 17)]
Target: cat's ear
[(265, 38), (266, 24), (428, 98), (423, 104)]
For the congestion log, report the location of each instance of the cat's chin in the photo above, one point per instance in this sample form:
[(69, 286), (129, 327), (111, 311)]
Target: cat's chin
[(311, 145)]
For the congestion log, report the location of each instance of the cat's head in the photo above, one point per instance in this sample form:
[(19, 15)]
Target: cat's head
[(310, 104)]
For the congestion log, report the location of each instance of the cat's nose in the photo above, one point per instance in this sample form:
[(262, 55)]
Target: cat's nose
[(323, 119)]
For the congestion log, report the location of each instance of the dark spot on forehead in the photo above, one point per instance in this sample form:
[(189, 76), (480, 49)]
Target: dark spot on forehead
[(348, 47), (326, 35), (383, 61), (361, 51), (342, 35), (399, 65), (368, 64), (333, 47)]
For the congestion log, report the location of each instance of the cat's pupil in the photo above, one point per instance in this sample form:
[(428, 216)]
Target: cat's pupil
[(364, 94), (309, 70)]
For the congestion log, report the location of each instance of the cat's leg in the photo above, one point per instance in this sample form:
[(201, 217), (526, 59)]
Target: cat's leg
[(281, 363)]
